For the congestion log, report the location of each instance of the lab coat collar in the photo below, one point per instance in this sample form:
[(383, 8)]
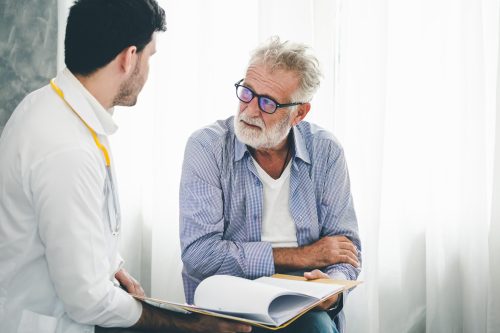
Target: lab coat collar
[(87, 107)]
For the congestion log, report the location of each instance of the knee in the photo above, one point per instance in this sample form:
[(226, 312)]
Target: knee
[(316, 322)]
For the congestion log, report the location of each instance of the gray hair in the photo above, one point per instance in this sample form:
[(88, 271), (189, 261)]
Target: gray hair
[(290, 56)]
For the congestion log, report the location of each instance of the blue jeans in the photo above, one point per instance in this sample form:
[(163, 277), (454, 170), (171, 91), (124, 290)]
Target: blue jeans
[(311, 322)]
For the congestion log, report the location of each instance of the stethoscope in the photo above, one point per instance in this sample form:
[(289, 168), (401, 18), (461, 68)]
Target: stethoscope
[(116, 230)]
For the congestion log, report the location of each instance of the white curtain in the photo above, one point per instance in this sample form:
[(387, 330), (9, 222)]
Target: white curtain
[(415, 109), (410, 90)]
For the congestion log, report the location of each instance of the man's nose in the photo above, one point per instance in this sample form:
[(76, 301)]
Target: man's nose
[(252, 108)]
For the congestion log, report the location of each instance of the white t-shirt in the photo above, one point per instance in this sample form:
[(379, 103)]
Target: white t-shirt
[(278, 227)]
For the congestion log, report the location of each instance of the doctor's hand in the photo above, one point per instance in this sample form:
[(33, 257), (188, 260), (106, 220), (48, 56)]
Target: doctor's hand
[(129, 283), (329, 302), (160, 320), (208, 324)]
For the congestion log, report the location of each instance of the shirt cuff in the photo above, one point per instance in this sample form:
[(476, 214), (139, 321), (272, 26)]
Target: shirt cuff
[(336, 275), (135, 313), (124, 310), (259, 258)]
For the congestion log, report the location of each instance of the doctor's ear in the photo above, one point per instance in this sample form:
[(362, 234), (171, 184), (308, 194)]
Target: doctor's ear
[(127, 59), (302, 111)]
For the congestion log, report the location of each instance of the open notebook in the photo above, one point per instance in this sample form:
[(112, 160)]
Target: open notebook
[(271, 302)]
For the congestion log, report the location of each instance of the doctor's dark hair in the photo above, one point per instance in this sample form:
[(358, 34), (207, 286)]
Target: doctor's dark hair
[(98, 30)]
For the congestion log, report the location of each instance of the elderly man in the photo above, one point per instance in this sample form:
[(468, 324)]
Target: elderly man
[(265, 192)]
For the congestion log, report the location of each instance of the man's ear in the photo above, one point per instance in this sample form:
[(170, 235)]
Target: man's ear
[(303, 110), (127, 59)]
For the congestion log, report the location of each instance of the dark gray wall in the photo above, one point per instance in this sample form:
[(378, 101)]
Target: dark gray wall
[(28, 48)]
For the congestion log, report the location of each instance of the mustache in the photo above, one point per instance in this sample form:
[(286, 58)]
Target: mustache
[(252, 121)]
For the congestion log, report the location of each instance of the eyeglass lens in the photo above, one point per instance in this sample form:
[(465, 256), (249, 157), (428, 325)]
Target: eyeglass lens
[(246, 95)]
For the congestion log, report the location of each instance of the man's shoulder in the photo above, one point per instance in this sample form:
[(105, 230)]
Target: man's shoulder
[(32, 114), (36, 97), (41, 124), (219, 132), (317, 136)]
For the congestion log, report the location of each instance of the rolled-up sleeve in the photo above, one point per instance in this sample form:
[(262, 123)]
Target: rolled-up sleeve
[(68, 197)]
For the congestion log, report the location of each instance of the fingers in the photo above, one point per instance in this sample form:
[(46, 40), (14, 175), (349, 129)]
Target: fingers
[(129, 283), (349, 258), (344, 243), (315, 274), (347, 252), (328, 303), (138, 288), (342, 239), (141, 291), (348, 246)]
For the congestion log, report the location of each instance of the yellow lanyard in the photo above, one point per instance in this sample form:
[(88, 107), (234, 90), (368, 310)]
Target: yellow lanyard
[(116, 230), (94, 134)]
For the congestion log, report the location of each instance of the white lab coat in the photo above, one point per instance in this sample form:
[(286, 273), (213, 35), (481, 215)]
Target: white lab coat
[(57, 254)]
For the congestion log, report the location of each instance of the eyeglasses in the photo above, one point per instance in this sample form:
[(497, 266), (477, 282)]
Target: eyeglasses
[(266, 104)]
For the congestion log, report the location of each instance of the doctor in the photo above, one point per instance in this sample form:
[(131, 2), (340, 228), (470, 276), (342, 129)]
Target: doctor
[(59, 210)]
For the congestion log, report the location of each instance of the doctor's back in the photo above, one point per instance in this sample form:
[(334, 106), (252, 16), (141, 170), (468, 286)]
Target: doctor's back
[(38, 135)]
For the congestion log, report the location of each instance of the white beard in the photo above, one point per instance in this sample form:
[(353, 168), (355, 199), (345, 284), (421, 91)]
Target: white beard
[(265, 138)]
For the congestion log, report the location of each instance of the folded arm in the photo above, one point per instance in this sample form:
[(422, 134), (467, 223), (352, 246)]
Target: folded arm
[(205, 252), (337, 254), (338, 249), (327, 251)]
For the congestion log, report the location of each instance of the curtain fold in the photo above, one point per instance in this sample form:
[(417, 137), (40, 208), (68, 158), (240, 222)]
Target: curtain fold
[(493, 317), (417, 91)]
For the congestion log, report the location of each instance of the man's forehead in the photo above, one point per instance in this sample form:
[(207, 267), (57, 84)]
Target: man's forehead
[(277, 80)]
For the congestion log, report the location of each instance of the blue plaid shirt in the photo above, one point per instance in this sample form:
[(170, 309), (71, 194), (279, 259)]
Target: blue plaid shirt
[(221, 198)]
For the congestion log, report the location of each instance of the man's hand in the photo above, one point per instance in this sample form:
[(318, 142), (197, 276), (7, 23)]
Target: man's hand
[(329, 302), (129, 283), (332, 250), (324, 252)]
